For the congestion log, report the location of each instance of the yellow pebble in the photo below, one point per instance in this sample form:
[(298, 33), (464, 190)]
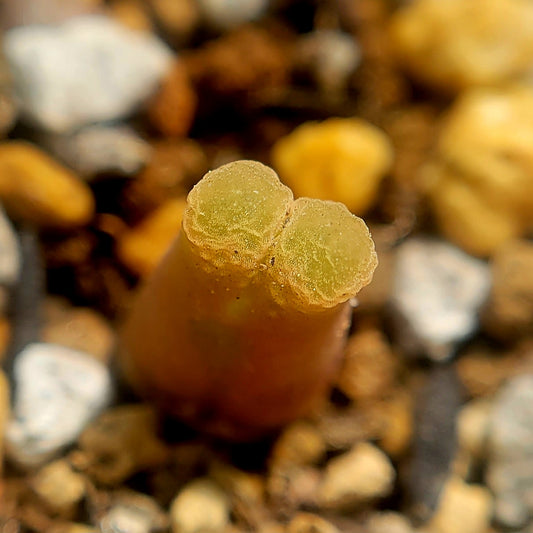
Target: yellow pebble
[(36, 189), (480, 181), (458, 44), (141, 248), (340, 159), (462, 508)]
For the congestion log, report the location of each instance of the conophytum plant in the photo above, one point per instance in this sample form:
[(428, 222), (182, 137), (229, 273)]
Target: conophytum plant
[(242, 326)]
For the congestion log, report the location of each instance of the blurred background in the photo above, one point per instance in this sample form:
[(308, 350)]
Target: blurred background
[(418, 115)]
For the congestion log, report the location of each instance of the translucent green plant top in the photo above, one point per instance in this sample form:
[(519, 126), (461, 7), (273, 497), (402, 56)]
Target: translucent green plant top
[(324, 253), (235, 212), (309, 253)]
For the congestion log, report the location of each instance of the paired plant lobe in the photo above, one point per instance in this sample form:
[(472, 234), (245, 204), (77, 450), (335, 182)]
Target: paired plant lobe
[(235, 212), (324, 254), (317, 253)]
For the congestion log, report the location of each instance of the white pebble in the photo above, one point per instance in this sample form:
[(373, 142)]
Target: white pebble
[(57, 391), (90, 69), (334, 56), (133, 512), (438, 290)]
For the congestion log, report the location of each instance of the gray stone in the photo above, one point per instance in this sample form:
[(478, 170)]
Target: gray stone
[(99, 149), (438, 291), (90, 69), (227, 14), (434, 439), (332, 57), (57, 392), (9, 252), (510, 469)]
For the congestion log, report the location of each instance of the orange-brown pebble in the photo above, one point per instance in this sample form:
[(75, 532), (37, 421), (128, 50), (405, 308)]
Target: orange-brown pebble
[(244, 61), (141, 248), (339, 159), (175, 165), (121, 442), (35, 188), (132, 14), (5, 332), (483, 372), (178, 18), (301, 443), (370, 367), (310, 523), (79, 328), (397, 424), (509, 311), (173, 108)]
